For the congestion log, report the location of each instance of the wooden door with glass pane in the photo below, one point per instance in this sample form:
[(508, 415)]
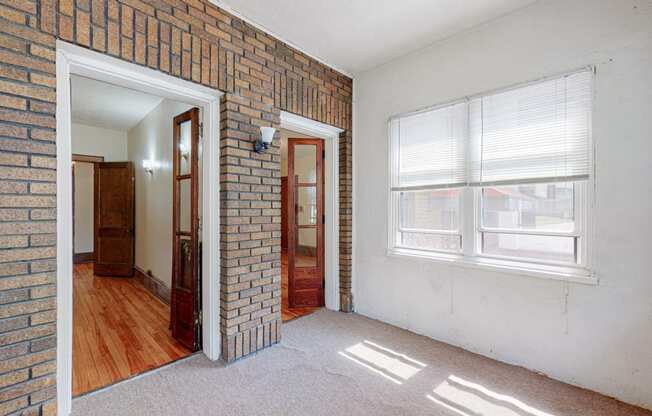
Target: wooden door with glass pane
[(305, 189), (186, 284)]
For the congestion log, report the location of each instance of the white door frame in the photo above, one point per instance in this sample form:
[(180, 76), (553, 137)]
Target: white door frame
[(331, 135), (72, 59)]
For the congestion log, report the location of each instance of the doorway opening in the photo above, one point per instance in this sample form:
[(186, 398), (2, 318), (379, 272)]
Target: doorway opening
[(136, 241), (77, 61), (303, 218)]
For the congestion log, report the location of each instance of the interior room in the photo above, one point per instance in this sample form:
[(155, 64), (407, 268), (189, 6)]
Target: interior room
[(122, 306), (343, 207)]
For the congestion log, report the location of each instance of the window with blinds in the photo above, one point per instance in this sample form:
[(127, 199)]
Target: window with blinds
[(537, 133), (429, 161), (430, 148), (514, 161)]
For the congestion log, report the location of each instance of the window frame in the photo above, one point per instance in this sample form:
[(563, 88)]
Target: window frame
[(470, 232), (470, 225), (580, 232), (396, 229)]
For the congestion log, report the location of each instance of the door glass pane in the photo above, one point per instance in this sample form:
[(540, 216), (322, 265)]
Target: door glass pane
[(306, 250), (184, 277), (305, 163), (185, 203), (307, 205), (185, 147)]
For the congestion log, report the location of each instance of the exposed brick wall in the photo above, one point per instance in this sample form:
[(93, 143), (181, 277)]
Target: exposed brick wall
[(250, 230), (193, 40), (346, 220), (27, 209)]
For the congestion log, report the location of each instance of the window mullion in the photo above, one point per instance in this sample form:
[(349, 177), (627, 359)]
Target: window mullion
[(468, 228)]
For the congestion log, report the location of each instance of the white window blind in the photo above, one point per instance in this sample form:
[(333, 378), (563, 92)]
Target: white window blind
[(429, 148), (527, 150), (536, 133)]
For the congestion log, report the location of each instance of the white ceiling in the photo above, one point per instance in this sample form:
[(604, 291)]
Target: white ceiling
[(357, 35), (99, 104)]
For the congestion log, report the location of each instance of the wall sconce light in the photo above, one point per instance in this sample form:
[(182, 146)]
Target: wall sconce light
[(266, 137), (185, 152), (148, 165)]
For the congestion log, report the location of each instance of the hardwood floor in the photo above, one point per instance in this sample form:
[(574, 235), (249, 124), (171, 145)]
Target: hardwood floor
[(287, 313), (119, 330)]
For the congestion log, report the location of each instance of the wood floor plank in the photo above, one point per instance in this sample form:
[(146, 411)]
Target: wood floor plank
[(119, 330)]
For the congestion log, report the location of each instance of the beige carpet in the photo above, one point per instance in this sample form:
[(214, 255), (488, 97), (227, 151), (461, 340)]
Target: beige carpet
[(336, 364)]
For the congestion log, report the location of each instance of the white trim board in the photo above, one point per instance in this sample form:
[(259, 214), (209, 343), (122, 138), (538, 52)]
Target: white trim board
[(79, 61), (331, 136)]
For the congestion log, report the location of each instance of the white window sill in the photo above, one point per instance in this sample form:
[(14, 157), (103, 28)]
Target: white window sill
[(561, 273)]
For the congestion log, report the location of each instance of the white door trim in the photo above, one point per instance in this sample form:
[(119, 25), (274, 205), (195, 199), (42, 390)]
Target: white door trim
[(79, 61), (331, 135)]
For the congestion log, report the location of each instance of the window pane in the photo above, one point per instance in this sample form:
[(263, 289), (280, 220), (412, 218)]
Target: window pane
[(306, 249), (306, 205), (185, 148), (185, 205), (541, 130), (542, 207), (184, 275), (431, 241), (431, 146), (305, 163), (559, 249), (430, 210)]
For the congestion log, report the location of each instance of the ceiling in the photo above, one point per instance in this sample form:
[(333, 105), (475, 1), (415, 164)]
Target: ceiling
[(357, 35), (99, 104)]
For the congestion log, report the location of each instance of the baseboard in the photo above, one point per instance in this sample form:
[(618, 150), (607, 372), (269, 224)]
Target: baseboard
[(153, 285), (80, 258)]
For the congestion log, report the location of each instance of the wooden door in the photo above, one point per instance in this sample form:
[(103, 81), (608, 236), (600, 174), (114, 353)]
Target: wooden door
[(305, 223), (114, 219), (284, 213), (186, 280)]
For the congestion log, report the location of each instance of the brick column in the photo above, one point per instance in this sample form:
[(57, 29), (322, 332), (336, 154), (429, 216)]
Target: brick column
[(250, 230), (346, 220)]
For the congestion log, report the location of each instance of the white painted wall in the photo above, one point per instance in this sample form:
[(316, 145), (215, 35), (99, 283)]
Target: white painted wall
[(91, 141), (152, 139), (84, 207), (598, 337), (96, 141)]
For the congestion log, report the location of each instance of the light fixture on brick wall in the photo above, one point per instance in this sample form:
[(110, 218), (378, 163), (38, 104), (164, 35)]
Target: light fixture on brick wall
[(266, 137)]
